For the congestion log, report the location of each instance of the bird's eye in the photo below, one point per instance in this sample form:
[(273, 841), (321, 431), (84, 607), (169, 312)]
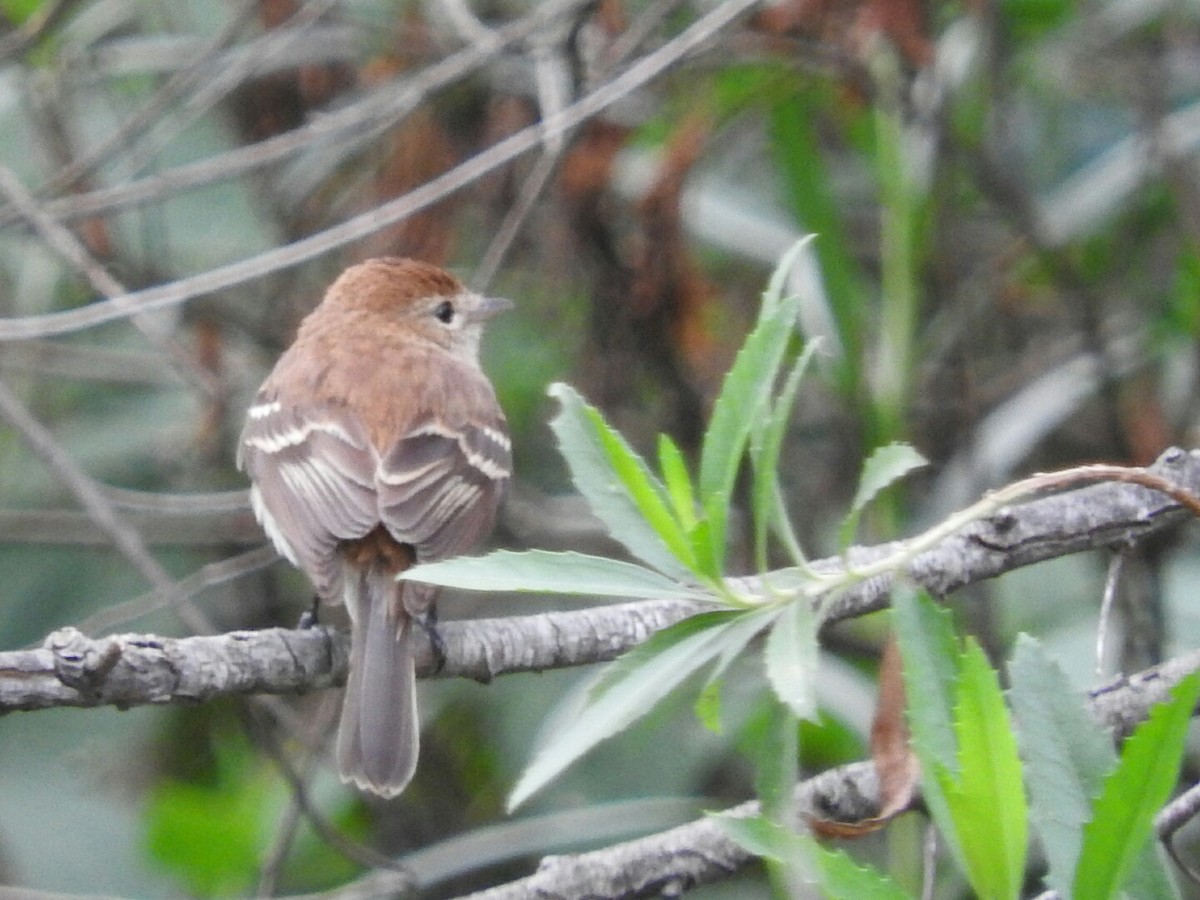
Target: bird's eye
[(445, 312)]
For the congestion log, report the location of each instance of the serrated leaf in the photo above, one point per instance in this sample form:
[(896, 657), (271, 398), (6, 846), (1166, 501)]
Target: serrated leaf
[(759, 835), (987, 796), (647, 493), (840, 877), (765, 450), (773, 295), (634, 684), (594, 477), (678, 481), (544, 571), (1067, 756), (929, 649), (884, 467), (844, 879), (791, 657), (744, 395), (1123, 815)]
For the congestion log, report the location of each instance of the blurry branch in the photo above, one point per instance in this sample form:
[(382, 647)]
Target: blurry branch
[(139, 125), (103, 364), (670, 862), (136, 669), (182, 591), (95, 502), (635, 76), (66, 245), (66, 526), (379, 109)]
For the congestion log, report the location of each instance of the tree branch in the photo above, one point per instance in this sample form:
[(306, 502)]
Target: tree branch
[(136, 669)]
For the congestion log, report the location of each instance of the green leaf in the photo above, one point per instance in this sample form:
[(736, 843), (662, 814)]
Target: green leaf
[(774, 295), (588, 455), (844, 879), (634, 684), (1123, 815), (791, 657), (1067, 756), (544, 571), (643, 488), (841, 878), (759, 835), (776, 756), (883, 468), (743, 401), (679, 482), (765, 449), (930, 651), (987, 797)]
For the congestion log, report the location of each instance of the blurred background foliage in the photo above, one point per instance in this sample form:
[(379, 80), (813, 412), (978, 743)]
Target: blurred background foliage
[(1007, 275)]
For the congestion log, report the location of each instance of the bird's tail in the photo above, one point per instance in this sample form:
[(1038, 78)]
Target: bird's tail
[(378, 737)]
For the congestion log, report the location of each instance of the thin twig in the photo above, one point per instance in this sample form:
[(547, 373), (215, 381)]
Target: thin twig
[(207, 576), (124, 537), (63, 242), (382, 108), (371, 221)]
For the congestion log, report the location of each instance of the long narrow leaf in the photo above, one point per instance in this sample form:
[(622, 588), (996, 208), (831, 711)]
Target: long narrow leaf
[(601, 485), (791, 657), (742, 401), (884, 467), (543, 571), (764, 454), (987, 798), (1067, 756), (647, 493), (633, 687), (929, 650), (679, 482), (774, 293), (1123, 815)]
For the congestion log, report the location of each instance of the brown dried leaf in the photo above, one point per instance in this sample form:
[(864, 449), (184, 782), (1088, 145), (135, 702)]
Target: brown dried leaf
[(895, 763)]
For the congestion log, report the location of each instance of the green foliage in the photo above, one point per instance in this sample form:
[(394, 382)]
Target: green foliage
[(1123, 814), (839, 877), (212, 836), (615, 483), (744, 400), (634, 684), (543, 571), (1093, 813), (1066, 755), (678, 527), (884, 467), (971, 775)]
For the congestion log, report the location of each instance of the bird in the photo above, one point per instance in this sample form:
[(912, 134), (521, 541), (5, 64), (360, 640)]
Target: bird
[(376, 443)]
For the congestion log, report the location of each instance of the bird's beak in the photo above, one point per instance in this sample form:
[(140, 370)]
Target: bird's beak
[(490, 306)]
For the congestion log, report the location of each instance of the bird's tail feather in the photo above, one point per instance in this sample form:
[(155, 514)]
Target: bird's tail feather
[(378, 737)]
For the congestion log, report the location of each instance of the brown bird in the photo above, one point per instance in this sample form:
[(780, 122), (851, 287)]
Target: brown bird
[(376, 443)]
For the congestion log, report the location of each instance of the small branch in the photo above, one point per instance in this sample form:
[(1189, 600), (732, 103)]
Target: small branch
[(646, 69), (71, 669), (1082, 519)]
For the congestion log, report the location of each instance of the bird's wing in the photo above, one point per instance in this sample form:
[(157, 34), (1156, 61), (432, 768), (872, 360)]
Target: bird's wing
[(441, 483), (313, 474)]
